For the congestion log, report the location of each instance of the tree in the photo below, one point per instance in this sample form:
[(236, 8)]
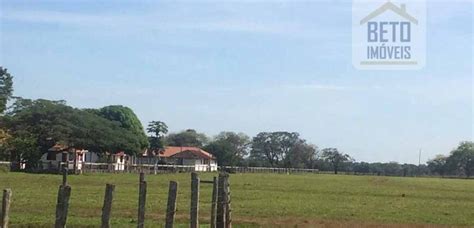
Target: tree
[(301, 155), (333, 156), (392, 169), (282, 149), (376, 168), (4, 138), (268, 146), (438, 164), (6, 88), (127, 119), (47, 122), (187, 138), (230, 148), (158, 130), (461, 159), (23, 149), (361, 167), (413, 170)]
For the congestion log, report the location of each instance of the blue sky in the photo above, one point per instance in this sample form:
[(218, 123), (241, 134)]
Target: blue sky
[(247, 66)]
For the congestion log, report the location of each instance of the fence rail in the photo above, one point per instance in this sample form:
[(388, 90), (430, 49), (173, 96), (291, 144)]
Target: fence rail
[(162, 168), (135, 168), (88, 167), (241, 169)]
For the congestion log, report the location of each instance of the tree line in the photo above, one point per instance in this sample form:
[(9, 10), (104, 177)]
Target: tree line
[(28, 128), (288, 150), (459, 162)]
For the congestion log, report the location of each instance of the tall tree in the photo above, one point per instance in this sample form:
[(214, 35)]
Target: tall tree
[(127, 119), (336, 158), (187, 138), (158, 130), (230, 148), (6, 88), (301, 155), (438, 164), (281, 149), (266, 147), (461, 159)]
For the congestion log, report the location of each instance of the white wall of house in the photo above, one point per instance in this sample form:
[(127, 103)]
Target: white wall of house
[(53, 160), (213, 165), (119, 162), (202, 165)]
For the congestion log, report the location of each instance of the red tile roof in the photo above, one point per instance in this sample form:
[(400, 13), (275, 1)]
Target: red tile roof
[(178, 151), (121, 153)]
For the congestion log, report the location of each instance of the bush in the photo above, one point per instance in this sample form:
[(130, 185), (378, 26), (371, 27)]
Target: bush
[(4, 168)]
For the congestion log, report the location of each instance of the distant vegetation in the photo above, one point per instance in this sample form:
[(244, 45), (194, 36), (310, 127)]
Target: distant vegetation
[(29, 127), (459, 162)]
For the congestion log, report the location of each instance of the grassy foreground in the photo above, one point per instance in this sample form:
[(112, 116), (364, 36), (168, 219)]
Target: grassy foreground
[(257, 199)]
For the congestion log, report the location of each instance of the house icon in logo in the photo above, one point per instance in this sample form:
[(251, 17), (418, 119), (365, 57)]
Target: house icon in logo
[(388, 34), (401, 11)]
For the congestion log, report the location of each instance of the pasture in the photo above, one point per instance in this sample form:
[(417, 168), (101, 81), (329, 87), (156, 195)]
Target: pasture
[(268, 200)]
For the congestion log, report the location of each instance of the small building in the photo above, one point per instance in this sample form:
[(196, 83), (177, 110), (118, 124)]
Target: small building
[(118, 160), (60, 154), (189, 156), (77, 158)]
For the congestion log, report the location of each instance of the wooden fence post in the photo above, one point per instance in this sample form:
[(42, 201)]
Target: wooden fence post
[(228, 210), (64, 172), (220, 218), (141, 201), (171, 207), (7, 196), (59, 206), (62, 206), (107, 207), (194, 200), (75, 166), (214, 203)]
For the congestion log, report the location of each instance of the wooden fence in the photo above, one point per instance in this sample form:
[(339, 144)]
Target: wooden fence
[(136, 168), (220, 208), (162, 168), (241, 169), (87, 167)]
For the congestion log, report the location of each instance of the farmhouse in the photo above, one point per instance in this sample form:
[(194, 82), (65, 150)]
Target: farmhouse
[(76, 158), (202, 160), (60, 154)]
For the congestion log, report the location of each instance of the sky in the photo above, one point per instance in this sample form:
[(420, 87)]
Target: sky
[(247, 66)]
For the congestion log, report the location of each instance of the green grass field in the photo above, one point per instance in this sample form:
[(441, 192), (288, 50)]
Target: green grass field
[(268, 200)]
